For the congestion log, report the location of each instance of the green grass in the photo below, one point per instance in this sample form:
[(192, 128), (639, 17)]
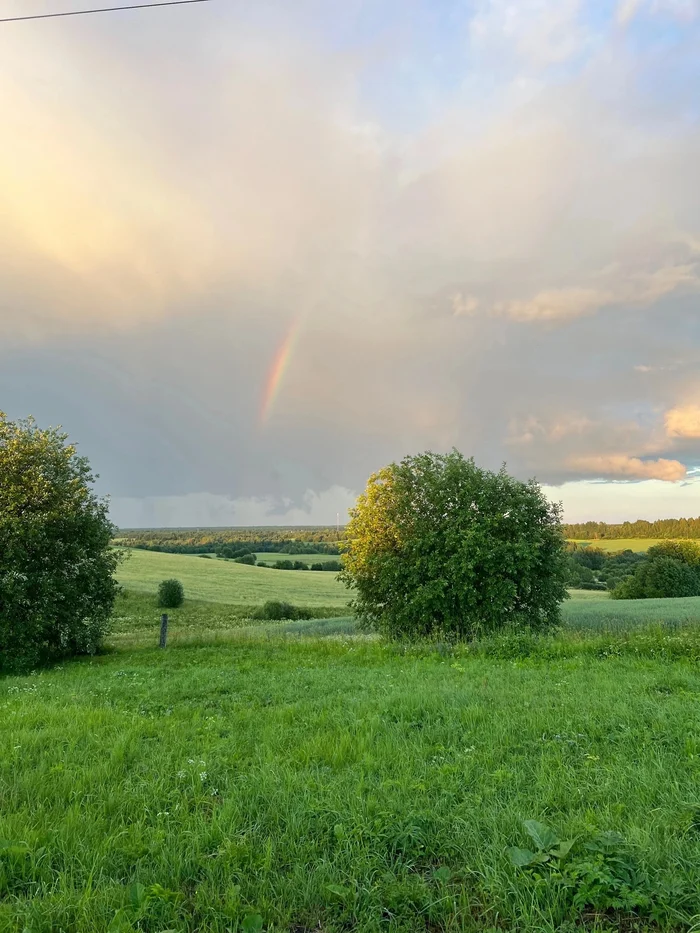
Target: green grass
[(274, 558), (303, 776), (615, 615), (614, 545), (338, 784), (227, 582)]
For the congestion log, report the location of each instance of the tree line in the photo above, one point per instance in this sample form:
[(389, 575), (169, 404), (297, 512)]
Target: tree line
[(663, 528), (225, 545)]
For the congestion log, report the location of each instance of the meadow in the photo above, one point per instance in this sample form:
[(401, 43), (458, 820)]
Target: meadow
[(304, 776), (271, 557), (614, 545), (226, 582)]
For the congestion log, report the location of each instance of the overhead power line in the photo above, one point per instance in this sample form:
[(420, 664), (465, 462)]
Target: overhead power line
[(107, 9)]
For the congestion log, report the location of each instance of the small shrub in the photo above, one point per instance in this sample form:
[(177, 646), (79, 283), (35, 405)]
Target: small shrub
[(171, 594), (275, 610), (246, 559), (316, 567)]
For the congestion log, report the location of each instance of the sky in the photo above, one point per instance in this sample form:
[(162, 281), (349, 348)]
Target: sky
[(252, 252)]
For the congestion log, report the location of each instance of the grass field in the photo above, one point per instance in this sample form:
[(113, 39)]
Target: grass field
[(329, 785), (623, 544), (307, 778), (274, 558), (220, 581)]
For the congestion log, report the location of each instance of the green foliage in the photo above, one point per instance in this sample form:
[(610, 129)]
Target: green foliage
[(171, 594), (671, 569), (663, 528), (57, 583), (436, 546), (275, 610), (249, 559), (599, 874)]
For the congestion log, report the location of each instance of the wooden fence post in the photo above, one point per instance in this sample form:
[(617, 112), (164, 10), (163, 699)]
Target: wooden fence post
[(163, 629)]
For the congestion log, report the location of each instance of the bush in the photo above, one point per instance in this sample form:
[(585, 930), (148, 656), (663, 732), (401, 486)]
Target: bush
[(57, 585), (171, 594), (316, 567), (436, 546), (275, 611), (246, 559), (661, 577)]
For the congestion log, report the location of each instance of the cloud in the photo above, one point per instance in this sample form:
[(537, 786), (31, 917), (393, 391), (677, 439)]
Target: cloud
[(205, 509), (629, 467), (625, 287), (423, 202), (683, 421)]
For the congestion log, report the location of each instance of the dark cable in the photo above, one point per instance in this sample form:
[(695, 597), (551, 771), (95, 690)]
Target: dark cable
[(107, 9)]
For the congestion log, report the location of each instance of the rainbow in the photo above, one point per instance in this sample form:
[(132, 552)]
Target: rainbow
[(277, 370)]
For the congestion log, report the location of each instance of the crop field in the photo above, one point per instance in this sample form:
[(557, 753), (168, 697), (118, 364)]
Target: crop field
[(222, 581), (613, 545)]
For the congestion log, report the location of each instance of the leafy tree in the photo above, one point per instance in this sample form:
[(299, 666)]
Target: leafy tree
[(671, 569), (171, 594), (57, 585), (436, 546), (688, 552), (660, 578), (246, 559)]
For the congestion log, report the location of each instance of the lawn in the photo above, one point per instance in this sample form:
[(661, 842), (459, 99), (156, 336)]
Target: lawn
[(222, 581), (335, 784), (305, 777)]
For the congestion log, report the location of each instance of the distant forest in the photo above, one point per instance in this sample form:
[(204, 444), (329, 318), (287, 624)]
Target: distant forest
[(298, 540), (664, 528), (324, 540)]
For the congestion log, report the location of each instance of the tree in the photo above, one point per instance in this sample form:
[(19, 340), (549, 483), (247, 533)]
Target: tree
[(671, 569), (437, 546), (171, 594), (57, 585)]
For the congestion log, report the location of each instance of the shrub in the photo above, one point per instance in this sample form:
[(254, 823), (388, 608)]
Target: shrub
[(436, 546), (57, 585), (275, 611), (658, 578), (171, 594), (246, 559), (284, 565), (300, 565), (316, 567)]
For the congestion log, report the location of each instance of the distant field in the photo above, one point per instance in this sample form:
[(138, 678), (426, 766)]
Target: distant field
[(227, 582), (623, 544), (628, 615), (274, 558)]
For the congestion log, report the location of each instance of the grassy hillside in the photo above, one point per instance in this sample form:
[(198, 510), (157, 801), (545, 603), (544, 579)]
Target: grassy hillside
[(268, 557), (227, 582)]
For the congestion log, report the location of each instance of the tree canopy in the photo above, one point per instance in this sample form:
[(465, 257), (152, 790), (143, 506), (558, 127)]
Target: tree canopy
[(56, 565), (436, 546)]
